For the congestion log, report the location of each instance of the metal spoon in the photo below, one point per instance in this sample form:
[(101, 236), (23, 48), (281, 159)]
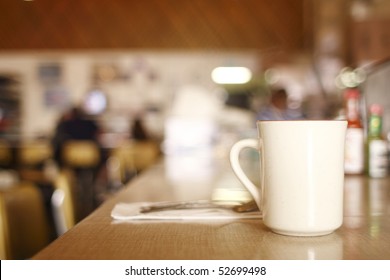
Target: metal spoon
[(249, 206), (198, 204)]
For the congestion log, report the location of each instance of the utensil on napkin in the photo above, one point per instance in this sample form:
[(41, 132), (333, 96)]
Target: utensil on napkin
[(186, 210)]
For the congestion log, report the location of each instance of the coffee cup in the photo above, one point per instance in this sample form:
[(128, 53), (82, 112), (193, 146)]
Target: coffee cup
[(301, 175)]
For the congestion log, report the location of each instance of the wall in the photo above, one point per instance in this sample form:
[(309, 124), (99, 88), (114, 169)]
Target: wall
[(140, 80)]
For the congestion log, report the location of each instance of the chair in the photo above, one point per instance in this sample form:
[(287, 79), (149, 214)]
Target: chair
[(63, 201), (24, 224), (32, 157), (135, 156), (121, 164), (5, 154), (83, 157), (34, 153), (81, 154), (146, 153)]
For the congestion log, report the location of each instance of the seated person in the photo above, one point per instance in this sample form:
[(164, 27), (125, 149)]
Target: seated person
[(74, 126), (277, 108)]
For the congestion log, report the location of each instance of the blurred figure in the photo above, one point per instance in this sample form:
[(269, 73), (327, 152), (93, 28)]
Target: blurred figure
[(60, 136), (78, 127), (74, 125), (138, 131), (277, 109)]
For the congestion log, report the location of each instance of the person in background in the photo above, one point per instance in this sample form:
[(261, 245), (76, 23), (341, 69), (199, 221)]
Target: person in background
[(277, 109), (138, 131), (75, 125), (78, 127), (59, 136)]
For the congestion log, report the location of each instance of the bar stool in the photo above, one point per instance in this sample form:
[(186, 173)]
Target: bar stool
[(32, 157), (146, 153), (135, 156), (63, 201), (121, 164), (5, 154), (24, 225), (83, 157)]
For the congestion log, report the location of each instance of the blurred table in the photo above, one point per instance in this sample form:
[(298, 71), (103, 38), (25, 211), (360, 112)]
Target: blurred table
[(365, 233)]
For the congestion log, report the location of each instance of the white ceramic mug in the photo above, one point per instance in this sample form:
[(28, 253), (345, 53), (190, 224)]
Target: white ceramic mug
[(301, 175)]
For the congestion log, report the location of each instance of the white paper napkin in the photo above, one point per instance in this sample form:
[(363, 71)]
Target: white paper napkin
[(131, 211)]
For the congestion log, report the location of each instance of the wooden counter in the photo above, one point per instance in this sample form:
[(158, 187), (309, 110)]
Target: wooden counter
[(365, 233)]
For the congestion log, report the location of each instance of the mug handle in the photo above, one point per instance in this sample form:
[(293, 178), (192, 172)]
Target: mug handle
[(236, 166)]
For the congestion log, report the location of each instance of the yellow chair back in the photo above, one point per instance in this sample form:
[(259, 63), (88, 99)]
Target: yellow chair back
[(63, 201), (24, 226), (134, 156), (5, 153), (33, 153), (81, 153)]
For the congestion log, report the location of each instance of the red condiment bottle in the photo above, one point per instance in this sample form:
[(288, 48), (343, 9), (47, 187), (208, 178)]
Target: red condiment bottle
[(354, 140)]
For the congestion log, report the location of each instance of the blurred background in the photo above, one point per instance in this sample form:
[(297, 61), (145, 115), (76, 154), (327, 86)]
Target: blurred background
[(139, 55), (162, 62)]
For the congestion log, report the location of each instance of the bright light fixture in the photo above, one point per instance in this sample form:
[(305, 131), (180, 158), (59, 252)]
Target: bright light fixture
[(231, 75)]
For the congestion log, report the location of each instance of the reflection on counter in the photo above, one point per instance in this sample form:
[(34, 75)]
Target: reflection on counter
[(365, 197), (378, 192), (354, 207), (328, 247)]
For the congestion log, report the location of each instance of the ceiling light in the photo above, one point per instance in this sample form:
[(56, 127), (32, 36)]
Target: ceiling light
[(231, 75)]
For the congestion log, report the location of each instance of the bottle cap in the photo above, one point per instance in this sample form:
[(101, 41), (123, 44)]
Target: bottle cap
[(376, 109)]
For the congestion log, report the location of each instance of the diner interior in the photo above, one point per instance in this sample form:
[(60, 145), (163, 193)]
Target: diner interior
[(149, 78)]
